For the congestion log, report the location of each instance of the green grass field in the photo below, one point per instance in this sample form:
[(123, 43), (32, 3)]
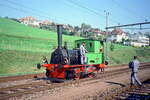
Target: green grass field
[(124, 54), (22, 47)]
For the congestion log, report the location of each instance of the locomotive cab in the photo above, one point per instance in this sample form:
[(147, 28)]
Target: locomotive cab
[(95, 50)]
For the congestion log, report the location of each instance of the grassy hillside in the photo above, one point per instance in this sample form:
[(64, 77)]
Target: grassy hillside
[(22, 47), (13, 35), (124, 54)]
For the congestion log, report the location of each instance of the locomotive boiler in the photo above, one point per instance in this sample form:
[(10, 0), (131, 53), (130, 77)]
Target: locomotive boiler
[(62, 55), (66, 64)]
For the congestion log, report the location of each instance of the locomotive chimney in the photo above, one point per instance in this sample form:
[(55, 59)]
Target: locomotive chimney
[(59, 33)]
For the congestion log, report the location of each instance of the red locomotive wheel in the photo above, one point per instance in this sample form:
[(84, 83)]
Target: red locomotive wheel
[(77, 76), (91, 75)]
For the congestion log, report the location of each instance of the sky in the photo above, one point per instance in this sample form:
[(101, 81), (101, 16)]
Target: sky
[(75, 12)]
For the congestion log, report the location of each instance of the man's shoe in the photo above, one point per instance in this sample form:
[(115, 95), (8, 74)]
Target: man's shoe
[(131, 86), (141, 86)]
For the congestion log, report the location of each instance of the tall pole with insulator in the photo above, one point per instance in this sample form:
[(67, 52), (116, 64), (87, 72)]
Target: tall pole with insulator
[(149, 38), (107, 13)]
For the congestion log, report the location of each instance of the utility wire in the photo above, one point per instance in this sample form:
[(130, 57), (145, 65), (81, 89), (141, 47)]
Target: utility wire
[(83, 6), (23, 6), (102, 10), (24, 11), (36, 10)]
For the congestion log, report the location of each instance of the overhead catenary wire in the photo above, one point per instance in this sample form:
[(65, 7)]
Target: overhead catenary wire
[(37, 11), (126, 25), (23, 11), (95, 12), (112, 18), (136, 28), (84, 7)]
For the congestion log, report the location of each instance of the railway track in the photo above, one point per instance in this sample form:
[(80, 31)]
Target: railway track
[(128, 93), (31, 76), (20, 77), (23, 89)]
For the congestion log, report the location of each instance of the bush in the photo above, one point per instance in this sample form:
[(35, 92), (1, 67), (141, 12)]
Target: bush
[(112, 47)]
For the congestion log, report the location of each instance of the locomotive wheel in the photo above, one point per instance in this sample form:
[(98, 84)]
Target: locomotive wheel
[(77, 76), (92, 75), (69, 74)]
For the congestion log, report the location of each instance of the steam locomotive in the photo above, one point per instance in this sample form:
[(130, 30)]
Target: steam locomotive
[(66, 64)]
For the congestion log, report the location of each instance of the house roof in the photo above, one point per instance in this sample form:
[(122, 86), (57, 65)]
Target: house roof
[(28, 18), (46, 22), (117, 31)]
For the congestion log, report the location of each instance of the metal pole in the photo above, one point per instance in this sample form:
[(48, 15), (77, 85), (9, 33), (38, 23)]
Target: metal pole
[(107, 13), (128, 25), (149, 38)]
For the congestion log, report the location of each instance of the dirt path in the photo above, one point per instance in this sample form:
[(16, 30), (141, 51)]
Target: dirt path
[(91, 88)]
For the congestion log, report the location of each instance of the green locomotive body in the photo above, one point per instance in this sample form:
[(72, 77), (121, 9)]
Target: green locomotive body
[(95, 50)]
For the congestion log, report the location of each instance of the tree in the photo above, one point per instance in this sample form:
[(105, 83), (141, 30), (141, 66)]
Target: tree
[(48, 27), (76, 28), (101, 38), (84, 29), (66, 32), (76, 31), (6, 17), (112, 47), (123, 40), (15, 20)]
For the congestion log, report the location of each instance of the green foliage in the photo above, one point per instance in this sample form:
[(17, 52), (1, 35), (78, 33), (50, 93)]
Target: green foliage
[(48, 27), (101, 38), (15, 62), (76, 28), (66, 32), (112, 47), (123, 54), (85, 27)]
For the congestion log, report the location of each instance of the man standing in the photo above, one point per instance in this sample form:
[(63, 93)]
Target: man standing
[(82, 53), (134, 65)]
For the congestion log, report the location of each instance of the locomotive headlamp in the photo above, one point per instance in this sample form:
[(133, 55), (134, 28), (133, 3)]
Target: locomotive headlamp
[(38, 65), (101, 49)]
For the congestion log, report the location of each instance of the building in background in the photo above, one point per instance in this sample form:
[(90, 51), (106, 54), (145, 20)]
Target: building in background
[(117, 35), (29, 20), (137, 40)]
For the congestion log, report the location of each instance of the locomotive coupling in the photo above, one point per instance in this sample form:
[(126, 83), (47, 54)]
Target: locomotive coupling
[(106, 62)]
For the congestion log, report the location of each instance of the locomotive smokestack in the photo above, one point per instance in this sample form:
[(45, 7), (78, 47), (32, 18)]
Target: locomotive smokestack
[(59, 33)]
